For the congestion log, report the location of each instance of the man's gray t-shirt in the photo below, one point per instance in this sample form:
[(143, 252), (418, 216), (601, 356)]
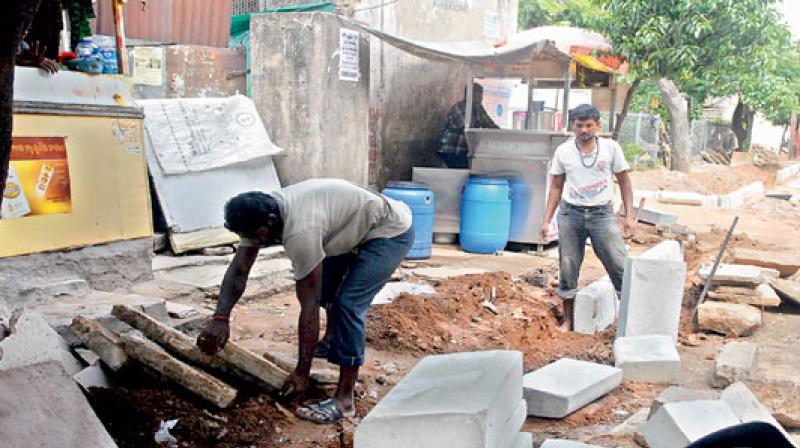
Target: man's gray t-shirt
[(329, 217)]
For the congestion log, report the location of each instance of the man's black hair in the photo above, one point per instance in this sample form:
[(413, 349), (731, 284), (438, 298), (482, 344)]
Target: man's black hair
[(584, 112), (246, 212), (476, 88)]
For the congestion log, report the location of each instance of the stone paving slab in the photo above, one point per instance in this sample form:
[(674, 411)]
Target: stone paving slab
[(648, 359)]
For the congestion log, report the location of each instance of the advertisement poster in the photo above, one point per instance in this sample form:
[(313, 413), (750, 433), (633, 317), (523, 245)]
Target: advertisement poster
[(496, 98), (348, 55), (38, 178), (148, 62)]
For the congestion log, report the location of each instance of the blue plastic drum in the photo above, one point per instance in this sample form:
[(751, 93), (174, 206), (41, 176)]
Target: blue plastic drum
[(485, 215), (419, 198)]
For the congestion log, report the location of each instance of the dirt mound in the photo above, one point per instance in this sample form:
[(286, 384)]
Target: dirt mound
[(456, 320)]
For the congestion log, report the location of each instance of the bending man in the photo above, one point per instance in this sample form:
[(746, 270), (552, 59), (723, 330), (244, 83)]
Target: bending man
[(344, 242)]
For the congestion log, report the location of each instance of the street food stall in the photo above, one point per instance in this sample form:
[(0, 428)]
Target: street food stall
[(543, 58)]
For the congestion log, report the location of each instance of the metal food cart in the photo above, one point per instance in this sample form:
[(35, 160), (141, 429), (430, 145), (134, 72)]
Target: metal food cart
[(521, 155)]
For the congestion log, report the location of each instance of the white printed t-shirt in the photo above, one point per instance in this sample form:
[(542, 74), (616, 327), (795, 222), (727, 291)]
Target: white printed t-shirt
[(586, 183), (330, 217)]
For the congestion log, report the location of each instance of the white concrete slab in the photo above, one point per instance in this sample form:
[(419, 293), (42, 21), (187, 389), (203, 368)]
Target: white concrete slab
[(595, 307), (648, 359), (676, 425), (461, 399), (677, 394), (41, 406), (34, 342), (559, 389), (563, 443), (652, 292), (392, 290), (735, 360), (439, 273), (523, 440), (277, 271), (93, 376)]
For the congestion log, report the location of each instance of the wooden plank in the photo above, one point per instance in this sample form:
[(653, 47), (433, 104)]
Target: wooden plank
[(200, 383), (233, 359), (100, 340), (184, 242)]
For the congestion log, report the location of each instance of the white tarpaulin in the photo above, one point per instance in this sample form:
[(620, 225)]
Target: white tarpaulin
[(200, 134)]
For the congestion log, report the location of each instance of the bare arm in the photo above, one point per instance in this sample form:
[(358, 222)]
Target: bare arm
[(553, 198), (309, 291), (626, 191), (235, 279)]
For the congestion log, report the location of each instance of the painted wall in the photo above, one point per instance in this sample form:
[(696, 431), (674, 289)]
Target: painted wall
[(410, 97), (319, 119)]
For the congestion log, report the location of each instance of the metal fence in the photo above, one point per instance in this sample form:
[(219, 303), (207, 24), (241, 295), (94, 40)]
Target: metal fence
[(707, 136), (641, 129)]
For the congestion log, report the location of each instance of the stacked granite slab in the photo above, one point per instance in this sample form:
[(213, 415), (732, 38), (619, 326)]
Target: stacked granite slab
[(649, 315), (462, 400), (561, 388)]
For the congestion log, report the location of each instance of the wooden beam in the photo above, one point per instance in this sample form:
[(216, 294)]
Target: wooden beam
[(233, 359), (100, 340)]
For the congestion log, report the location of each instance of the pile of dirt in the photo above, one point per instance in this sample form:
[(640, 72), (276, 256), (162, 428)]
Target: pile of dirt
[(710, 179), (456, 320), (132, 417)]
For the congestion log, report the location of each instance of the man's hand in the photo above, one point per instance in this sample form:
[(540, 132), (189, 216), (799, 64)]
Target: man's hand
[(295, 384), (628, 225), (35, 58), (214, 336), (545, 232)]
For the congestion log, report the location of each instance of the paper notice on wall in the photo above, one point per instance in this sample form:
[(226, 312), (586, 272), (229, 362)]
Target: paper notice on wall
[(348, 55), (38, 179), (491, 25), (148, 63), (129, 134)]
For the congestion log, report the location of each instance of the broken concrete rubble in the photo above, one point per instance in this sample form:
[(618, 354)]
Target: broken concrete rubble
[(561, 443), (43, 407), (729, 319), (652, 292), (439, 273), (100, 340), (788, 290), (461, 399), (392, 290), (559, 389), (276, 272), (737, 275), (786, 263), (676, 425), (677, 394), (93, 376), (647, 359), (33, 342), (735, 360), (595, 307), (762, 295)]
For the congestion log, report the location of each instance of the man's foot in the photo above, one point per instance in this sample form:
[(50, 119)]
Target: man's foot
[(325, 412)]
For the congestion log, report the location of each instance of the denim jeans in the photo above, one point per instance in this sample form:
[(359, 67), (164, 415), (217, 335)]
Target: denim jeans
[(349, 283), (601, 226)]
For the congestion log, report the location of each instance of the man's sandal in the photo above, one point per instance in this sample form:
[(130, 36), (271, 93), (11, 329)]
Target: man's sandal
[(324, 413)]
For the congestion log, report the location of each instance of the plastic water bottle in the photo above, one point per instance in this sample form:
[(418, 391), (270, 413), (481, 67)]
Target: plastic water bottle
[(109, 56), (86, 48)]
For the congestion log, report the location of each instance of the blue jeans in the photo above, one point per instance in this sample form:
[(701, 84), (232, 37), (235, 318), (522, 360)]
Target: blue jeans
[(349, 283), (598, 223)]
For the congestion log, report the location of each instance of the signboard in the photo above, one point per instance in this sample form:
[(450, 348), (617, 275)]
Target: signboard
[(496, 99), (148, 62), (348, 55), (38, 181), (491, 25)]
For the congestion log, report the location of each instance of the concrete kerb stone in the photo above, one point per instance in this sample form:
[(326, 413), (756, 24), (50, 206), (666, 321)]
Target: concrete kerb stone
[(461, 399), (559, 389), (512, 426), (677, 394), (735, 360), (596, 307), (648, 359), (34, 341), (748, 408), (563, 443), (676, 425), (737, 198), (652, 216), (652, 292), (787, 173), (522, 440)]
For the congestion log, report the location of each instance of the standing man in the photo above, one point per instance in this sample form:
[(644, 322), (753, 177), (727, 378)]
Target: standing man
[(582, 181), (344, 242), (453, 148)]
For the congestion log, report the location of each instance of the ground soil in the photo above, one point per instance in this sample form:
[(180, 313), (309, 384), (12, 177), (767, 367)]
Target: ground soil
[(527, 319)]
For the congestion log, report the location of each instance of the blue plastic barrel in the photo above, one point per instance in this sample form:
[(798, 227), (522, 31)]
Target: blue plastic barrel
[(420, 200), (485, 215)]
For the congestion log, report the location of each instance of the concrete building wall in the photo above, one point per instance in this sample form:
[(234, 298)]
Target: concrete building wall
[(319, 119), (410, 97)]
